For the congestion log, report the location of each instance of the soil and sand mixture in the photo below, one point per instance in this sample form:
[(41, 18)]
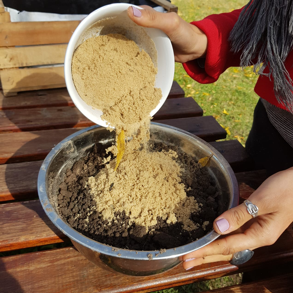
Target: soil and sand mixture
[(157, 197), (77, 205)]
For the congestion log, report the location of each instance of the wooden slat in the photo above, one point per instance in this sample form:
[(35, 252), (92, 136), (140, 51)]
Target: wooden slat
[(179, 108), (57, 98), (36, 33), (33, 146), (14, 217), (18, 80), (176, 91), (25, 224), (19, 181), (12, 57), (42, 118), (30, 146), (235, 154), (71, 272), (60, 117), (36, 99), (253, 179), (4, 17), (80, 275), (205, 127), (166, 5)]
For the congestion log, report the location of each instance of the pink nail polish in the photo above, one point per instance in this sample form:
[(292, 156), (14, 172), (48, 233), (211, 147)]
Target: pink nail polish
[(223, 225), (136, 12), (189, 259)]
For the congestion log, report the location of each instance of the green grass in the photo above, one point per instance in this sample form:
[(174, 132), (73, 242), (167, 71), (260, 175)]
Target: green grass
[(231, 99)]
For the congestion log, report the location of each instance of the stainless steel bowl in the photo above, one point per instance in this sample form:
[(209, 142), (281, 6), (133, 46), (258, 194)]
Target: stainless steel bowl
[(75, 146)]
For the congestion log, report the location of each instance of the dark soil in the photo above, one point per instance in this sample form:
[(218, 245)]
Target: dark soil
[(75, 203)]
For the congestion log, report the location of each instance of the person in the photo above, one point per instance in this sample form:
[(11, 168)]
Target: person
[(261, 33)]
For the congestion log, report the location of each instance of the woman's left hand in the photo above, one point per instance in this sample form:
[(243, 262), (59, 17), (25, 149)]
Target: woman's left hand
[(274, 198)]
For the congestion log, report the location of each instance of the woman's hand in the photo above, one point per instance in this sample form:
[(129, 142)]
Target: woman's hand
[(188, 41), (274, 199)]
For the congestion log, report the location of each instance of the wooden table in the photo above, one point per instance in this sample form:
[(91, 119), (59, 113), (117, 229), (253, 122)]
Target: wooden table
[(30, 125)]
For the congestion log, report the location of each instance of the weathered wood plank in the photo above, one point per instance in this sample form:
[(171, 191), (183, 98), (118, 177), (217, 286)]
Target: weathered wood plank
[(166, 5), (176, 91), (36, 33), (56, 98), (4, 17), (179, 108), (235, 154), (205, 127), (33, 146), (30, 146), (42, 118), (36, 99), (80, 275), (61, 117), (16, 271), (14, 219), (18, 80), (253, 179), (25, 224), (19, 181), (12, 57)]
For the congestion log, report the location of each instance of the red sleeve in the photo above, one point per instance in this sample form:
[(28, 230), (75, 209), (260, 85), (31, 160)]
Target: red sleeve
[(217, 28)]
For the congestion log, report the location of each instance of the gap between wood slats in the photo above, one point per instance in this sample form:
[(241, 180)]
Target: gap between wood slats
[(18, 80), (36, 33), (57, 98), (19, 181), (33, 146), (12, 57)]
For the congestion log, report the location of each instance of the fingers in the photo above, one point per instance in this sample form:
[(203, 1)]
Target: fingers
[(193, 262), (225, 246), (234, 218), (148, 17)]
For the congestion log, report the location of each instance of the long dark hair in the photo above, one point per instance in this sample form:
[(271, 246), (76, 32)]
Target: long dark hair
[(264, 34)]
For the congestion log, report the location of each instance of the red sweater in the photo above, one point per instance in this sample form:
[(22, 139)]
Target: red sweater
[(217, 27)]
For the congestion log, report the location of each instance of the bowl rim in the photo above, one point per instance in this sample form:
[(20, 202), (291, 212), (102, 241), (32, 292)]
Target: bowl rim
[(96, 15), (120, 252)]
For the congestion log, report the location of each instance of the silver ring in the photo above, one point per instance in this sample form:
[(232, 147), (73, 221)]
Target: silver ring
[(252, 209), (241, 257)]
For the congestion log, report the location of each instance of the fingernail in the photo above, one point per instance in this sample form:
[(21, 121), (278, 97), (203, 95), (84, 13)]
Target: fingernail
[(223, 225), (189, 268), (136, 12), (189, 259)]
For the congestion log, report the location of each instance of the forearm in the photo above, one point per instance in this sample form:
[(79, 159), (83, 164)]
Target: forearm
[(218, 55)]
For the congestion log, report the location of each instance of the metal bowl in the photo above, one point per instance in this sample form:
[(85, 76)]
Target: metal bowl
[(75, 146)]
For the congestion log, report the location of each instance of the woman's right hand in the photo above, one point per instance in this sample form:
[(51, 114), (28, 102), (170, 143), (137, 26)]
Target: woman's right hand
[(188, 41)]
